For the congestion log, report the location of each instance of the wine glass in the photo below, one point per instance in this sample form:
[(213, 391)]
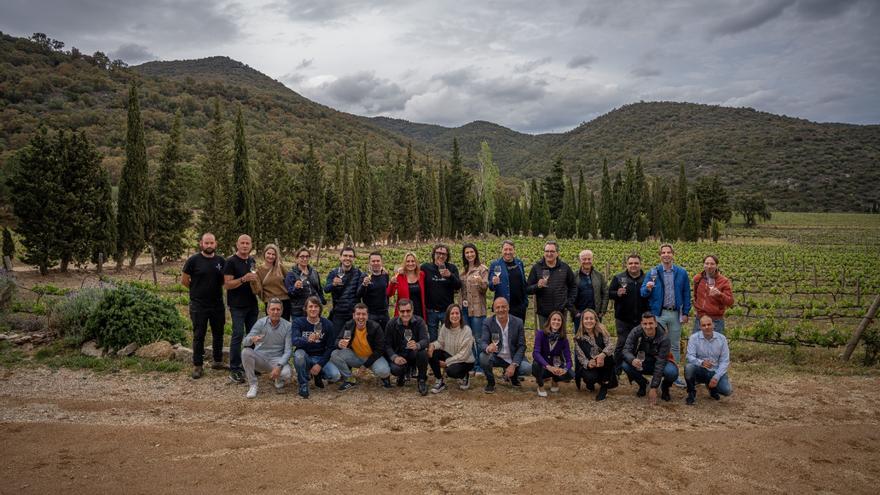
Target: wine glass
[(711, 283), (252, 265), (545, 274), (496, 338), (318, 330), (641, 356), (346, 334), (653, 274), (497, 270), (407, 335), (622, 282)]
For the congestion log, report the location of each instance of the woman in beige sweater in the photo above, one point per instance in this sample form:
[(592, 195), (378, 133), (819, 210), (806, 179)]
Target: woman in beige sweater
[(452, 350), (474, 282), (270, 279)]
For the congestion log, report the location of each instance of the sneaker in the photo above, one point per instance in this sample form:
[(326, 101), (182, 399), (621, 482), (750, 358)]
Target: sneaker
[(236, 377), (464, 383), (554, 389), (252, 392), (319, 382), (603, 392), (386, 382), (197, 373), (642, 390), (478, 373), (279, 383), (423, 387), (216, 365), (542, 392), (304, 391), (438, 387), (680, 383), (664, 394), (489, 389), (345, 386), (691, 398), (401, 380), (713, 393)]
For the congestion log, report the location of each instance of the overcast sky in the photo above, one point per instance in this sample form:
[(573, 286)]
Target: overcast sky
[(533, 66)]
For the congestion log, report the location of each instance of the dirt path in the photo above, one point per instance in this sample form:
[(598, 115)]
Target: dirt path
[(77, 432)]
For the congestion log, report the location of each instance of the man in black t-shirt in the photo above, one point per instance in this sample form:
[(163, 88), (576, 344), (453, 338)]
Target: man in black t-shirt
[(203, 275), (240, 270), (441, 283)]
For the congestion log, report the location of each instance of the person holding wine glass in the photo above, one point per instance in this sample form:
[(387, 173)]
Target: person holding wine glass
[(360, 344), (475, 281), (373, 290), (553, 284), (594, 355), (503, 345), (708, 358), (406, 345), (313, 337), (648, 352), (552, 354), (668, 290), (409, 283), (441, 283), (270, 280), (240, 270), (267, 350), (628, 302), (452, 351), (591, 291), (303, 282), (342, 284), (508, 280), (713, 294)]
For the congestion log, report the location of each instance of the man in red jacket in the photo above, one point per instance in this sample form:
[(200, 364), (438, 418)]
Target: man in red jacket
[(712, 294)]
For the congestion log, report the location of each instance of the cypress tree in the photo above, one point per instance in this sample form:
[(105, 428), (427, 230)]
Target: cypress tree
[(407, 221), (216, 207), (582, 206), (277, 196), (463, 210), (443, 189), (618, 221), (566, 226), (437, 205), (606, 204), (171, 216), (133, 213), (8, 244), (691, 229), (337, 217), (669, 222), (592, 218), (534, 216), (104, 228), (488, 185), (715, 230), (244, 213), (363, 191), (79, 166), (554, 189), (314, 204), (682, 193)]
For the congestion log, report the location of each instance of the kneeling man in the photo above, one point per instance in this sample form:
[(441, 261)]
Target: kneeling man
[(270, 337), (708, 358)]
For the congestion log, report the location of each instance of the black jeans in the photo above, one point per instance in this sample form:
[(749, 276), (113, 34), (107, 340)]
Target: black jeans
[(623, 330), (381, 319), (339, 320), (417, 358), (519, 311), (457, 370), (243, 320), (200, 320), (540, 373), (602, 376)]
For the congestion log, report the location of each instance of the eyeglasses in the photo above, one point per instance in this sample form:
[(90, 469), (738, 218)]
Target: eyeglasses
[(405, 311), (442, 253), (303, 256), (549, 250)]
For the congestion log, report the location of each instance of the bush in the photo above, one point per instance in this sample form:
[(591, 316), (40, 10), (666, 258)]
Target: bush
[(131, 314), (69, 316)]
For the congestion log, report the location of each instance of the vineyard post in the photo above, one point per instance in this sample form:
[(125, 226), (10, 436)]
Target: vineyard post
[(815, 277), (607, 270), (859, 291), (854, 340), (100, 263), (7, 263)]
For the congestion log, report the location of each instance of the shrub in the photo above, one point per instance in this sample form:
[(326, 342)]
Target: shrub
[(131, 314), (69, 316)]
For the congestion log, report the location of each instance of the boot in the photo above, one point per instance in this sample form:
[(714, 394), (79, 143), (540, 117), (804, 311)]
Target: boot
[(603, 391)]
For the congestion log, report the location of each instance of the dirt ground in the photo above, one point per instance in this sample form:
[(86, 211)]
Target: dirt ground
[(68, 431)]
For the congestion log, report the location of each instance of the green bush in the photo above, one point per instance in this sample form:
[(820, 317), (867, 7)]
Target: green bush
[(69, 316), (131, 314)]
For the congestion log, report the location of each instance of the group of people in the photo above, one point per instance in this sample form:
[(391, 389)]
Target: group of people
[(456, 340)]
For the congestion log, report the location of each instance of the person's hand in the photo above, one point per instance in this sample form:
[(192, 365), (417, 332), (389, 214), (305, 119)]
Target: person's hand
[(706, 364), (249, 277), (591, 363), (510, 371), (442, 364), (559, 371), (337, 280), (445, 273), (600, 360), (637, 364), (256, 339), (412, 345), (313, 337), (650, 285), (343, 343), (652, 397), (496, 280), (713, 382), (276, 372), (298, 284), (399, 270), (367, 282), (314, 370), (400, 361), (430, 350), (492, 348), (362, 371), (542, 283), (621, 291)]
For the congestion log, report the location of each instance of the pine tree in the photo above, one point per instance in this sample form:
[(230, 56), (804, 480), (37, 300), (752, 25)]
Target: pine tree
[(133, 213), (488, 185), (244, 213), (170, 217), (606, 204), (314, 204), (216, 206), (691, 228), (566, 226)]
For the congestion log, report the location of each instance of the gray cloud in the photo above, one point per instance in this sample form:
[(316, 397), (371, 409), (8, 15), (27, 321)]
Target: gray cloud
[(582, 61), (327, 10), (823, 9), (531, 65), (133, 53), (646, 72), (760, 13), (305, 63), (362, 92)]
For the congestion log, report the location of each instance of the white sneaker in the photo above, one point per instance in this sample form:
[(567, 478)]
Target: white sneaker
[(464, 383), (542, 392), (279, 383), (252, 392), (554, 389)]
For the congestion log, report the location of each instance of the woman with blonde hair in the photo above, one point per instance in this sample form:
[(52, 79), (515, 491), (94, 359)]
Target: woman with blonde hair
[(270, 280), (594, 355), (409, 284)]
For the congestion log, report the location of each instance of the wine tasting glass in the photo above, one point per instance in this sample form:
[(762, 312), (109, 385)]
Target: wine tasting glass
[(545, 274), (497, 270), (318, 331), (407, 335), (496, 338)]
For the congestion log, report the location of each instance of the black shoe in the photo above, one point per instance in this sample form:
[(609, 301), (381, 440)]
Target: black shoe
[(602, 393), (386, 382), (304, 390), (401, 380), (345, 386), (691, 398), (714, 394), (642, 390), (423, 387), (319, 382), (197, 373), (236, 376), (489, 389), (217, 365), (591, 387), (514, 382), (664, 394)]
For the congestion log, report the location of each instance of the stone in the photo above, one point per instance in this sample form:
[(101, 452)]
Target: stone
[(209, 353), (183, 354), (127, 350), (157, 351), (91, 348)]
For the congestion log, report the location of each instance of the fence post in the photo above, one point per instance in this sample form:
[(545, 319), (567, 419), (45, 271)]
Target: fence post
[(100, 267), (857, 335), (7, 263)]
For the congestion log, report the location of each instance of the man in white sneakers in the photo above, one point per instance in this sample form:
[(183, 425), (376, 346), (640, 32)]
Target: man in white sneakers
[(270, 337)]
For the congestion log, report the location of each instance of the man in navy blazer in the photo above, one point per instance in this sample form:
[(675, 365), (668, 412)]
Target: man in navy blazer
[(507, 349)]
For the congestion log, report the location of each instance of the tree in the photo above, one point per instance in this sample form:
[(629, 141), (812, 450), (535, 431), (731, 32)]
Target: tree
[(682, 193), (216, 207), (8, 244), (566, 225), (752, 207), (363, 192), (539, 210), (407, 218), (488, 185), (715, 230), (337, 220), (669, 222), (606, 204), (691, 228), (583, 206), (554, 189), (244, 214), (171, 217), (314, 205), (714, 201), (464, 216), (133, 214), (104, 229), (278, 200), (445, 207)]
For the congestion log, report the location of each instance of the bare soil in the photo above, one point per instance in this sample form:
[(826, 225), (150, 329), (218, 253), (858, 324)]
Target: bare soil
[(67, 431)]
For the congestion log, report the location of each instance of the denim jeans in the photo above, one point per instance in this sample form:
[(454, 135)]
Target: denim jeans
[(200, 319), (671, 322), (718, 324), (435, 318), (242, 321), (490, 361), (345, 359), (670, 371), (303, 362), (476, 324), (694, 374)]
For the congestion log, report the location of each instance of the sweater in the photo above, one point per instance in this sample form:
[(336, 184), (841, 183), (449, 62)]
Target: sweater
[(544, 354), (713, 306), (323, 348), (458, 342), (276, 345), (473, 291), (267, 286), (440, 291)]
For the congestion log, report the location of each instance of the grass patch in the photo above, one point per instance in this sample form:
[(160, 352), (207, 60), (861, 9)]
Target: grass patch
[(57, 355), (774, 360), (10, 355)]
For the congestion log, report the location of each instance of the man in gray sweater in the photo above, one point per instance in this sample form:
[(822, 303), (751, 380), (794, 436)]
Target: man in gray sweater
[(270, 337)]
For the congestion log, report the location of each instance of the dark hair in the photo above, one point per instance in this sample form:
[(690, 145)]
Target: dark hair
[(554, 243), (714, 257), (446, 321), (464, 262), (375, 253), (361, 306), (347, 248), (312, 300), (630, 256), (508, 241), (546, 328), (300, 250), (436, 247), (648, 314), (274, 300), (405, 302)]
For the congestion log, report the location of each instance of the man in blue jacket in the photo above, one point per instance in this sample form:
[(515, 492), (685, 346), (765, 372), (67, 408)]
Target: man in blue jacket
[(510, 281), (342, 283), (668, 289), (313, 338)]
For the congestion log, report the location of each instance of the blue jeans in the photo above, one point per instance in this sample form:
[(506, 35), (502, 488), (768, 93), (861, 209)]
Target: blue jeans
[(671, 322), (435, 318), (489, 361), (719, 325), (670, 371), (694, 374), (345, 359), (242, 321), (303, 362), (476, 324)]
